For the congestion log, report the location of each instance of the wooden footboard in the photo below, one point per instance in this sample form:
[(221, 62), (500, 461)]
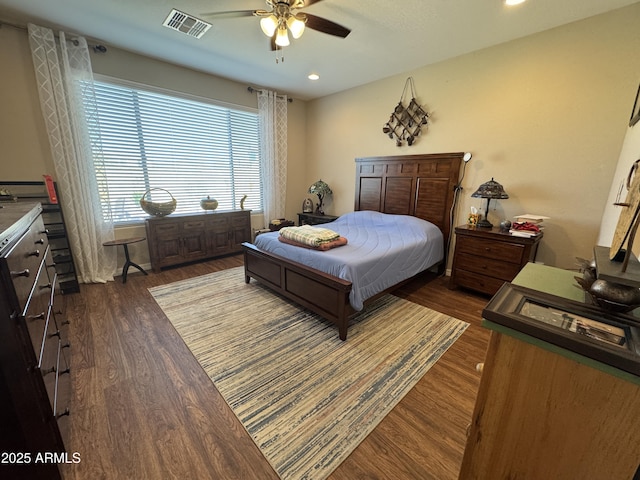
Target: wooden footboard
[(324, 294)]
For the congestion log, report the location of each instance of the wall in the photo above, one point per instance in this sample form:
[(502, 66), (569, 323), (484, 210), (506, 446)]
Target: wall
[(26, 153), (544, 115), (25, 148)]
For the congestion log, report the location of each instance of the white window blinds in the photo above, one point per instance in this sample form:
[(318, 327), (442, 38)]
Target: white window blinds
[(187, 147)]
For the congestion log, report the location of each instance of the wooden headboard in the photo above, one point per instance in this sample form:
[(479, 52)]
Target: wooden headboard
[(422, 186)]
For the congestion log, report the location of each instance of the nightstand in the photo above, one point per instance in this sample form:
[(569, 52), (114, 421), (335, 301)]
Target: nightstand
[(314, 219), (486, 258)]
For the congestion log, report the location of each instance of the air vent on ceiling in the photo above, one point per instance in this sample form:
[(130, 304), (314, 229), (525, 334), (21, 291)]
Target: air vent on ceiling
[(185, 23)]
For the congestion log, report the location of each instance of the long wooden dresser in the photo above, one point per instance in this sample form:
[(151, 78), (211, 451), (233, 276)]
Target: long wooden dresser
[(34, 365), (186, 238)]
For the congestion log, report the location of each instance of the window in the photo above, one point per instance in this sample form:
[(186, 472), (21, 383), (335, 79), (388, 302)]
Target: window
[(168, 143)]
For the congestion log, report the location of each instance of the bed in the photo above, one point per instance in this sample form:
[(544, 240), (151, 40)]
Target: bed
[(421, 186)]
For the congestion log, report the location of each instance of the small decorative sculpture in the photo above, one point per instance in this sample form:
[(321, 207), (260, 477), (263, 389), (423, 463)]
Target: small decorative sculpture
[(505, 225), (242, 202), (321, 189), (307, 206), (608, 295), (406, 123), (208, 203)]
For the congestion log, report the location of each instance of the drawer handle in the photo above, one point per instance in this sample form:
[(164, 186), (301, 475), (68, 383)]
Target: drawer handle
[(55, 334), (45, 231), (48, 285), (35, 253), (40, 241), (66, 370), (63, 414), (66, 345), (22, 273), (40, 316), (48, 371), (64, 322)]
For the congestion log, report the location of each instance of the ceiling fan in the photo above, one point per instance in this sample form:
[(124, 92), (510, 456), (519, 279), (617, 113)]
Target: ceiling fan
[(285, 17)]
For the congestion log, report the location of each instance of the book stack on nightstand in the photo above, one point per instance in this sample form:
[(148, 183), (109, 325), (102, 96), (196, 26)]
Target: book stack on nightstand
[(528, 225)]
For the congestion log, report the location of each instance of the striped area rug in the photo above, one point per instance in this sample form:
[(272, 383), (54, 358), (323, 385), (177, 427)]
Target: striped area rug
[(306, 398)]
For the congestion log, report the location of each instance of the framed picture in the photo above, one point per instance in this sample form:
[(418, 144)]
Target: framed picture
[(635, 113), (581, 328)]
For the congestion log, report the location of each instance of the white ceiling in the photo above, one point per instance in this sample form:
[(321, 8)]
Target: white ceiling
[(387, 36)]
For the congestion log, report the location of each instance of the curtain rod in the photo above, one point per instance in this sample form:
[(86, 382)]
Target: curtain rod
[(252, 89), (98, 48)]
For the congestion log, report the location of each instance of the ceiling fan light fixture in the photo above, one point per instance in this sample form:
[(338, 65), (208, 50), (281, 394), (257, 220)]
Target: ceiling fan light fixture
[(269, 25), (282, 38), (296, 26)]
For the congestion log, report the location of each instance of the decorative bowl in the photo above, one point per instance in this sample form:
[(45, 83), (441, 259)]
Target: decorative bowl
[(209, 203)]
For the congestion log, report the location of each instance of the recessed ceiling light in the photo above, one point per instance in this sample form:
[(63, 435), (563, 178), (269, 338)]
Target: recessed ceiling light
[(313, 76), (513, 2)]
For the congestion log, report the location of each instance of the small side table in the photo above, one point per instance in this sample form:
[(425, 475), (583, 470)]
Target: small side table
[(314, 219), (125, 242), (274, 227)]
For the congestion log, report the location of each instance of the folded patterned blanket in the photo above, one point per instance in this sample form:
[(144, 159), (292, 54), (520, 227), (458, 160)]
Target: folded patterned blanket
[(338, 242), (309, 235)]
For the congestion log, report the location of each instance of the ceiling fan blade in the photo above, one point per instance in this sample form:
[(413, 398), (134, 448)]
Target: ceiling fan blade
[(230, 13), (310, 2), (326, 26)]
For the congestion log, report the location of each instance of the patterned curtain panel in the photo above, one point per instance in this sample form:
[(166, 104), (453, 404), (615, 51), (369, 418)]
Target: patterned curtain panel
[(272, 109), (65, 84)]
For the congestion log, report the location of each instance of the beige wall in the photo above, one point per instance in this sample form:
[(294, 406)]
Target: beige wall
[(545, 115), (25, 149)]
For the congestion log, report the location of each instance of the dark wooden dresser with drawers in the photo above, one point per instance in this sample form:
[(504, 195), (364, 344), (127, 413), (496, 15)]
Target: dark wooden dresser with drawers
[(34, 359), (178, 239), (485, 258)]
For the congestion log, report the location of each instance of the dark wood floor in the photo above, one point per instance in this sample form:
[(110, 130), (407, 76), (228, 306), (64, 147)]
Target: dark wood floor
[(143, 408)]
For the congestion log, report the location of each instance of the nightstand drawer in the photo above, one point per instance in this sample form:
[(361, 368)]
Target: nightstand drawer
[(505, 271), (505, 251), (478, 282)]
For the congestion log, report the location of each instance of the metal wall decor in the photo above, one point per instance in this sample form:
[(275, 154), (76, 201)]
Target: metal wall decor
[(406, 123)]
